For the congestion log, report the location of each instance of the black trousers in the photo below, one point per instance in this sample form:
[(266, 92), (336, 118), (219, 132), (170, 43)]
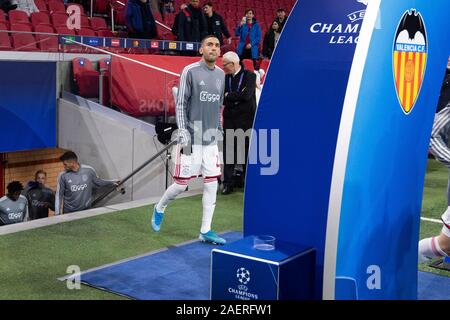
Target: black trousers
[(231, 144)]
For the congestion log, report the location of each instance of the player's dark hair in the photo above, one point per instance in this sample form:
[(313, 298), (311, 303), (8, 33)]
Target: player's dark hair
[(209, 3), (281, 10), (14, 186), (207, 37), (69, 155), (38, 173)]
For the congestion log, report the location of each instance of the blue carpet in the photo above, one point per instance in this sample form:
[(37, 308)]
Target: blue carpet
[(183, 273), (433, 287), (180, 273)]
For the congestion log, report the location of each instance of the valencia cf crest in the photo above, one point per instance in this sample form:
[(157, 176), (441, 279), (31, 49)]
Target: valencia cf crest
[(409, 58)]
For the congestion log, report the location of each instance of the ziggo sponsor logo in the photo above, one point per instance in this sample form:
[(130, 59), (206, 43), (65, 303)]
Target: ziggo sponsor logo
[(209, 97), (80, 187), (14, 215)]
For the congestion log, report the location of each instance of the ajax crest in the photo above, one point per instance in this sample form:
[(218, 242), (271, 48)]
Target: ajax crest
[(409, 58)]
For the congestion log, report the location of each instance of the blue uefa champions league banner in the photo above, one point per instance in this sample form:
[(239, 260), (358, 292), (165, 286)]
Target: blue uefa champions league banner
[(27, 105), (354, 104)]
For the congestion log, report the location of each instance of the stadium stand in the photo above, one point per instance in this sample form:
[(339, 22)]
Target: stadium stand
[(85, 77)]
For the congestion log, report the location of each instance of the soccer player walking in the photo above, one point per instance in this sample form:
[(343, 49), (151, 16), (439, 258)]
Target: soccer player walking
[(200, 98), (439, 246)]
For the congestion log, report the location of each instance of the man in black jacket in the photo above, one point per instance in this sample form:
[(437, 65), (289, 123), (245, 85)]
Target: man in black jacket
[(191, 23), (239, 112), (40, 198), (215, 23)]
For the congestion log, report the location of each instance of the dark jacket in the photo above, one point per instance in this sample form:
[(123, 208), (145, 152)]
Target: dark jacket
[(444, 98), (191, 25), (269, 43), (217, 26), (255, 38), (240, 103), (40, 199), (140, 20), (281, 24)]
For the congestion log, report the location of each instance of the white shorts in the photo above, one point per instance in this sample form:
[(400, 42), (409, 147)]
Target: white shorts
[(203, 161), (446, 219)]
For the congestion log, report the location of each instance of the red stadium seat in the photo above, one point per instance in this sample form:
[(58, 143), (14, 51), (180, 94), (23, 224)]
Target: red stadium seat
[(59, 20), (86, 77), (264, 64), (24, 42), (18, 16), (3, 26), (2, 16), (40, 18), (5, 42), (46, 43), (56, 6), (86, 32), (98, 24), (101, 6), (248, 64), (105, 33), (20, 27), (65, 30), (41, 5)]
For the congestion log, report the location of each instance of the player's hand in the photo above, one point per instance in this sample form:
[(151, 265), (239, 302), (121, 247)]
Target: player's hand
[(248, 46), (183, 137), (229, 40), (183, 6)]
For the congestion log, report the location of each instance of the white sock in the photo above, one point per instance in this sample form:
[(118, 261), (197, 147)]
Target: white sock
[(429, 248), (171, 193), (209, 203)]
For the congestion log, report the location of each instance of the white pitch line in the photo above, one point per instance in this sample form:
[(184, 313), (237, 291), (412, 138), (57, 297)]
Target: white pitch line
[(430, 220)]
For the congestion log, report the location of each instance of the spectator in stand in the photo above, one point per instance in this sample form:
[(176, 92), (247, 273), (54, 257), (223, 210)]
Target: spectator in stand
[(13, 206), (191, 23), (26, 5), (215, 23), (281, 18), (40, 198), (271, 39), (166, 6), (249, 33), (6, 5), (140, 20)]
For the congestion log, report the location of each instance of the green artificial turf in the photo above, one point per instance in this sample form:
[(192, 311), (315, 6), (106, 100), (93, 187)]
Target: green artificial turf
[(31, 261)]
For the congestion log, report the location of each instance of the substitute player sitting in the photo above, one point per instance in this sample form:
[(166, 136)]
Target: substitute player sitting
[(439, 246), (199, 101)]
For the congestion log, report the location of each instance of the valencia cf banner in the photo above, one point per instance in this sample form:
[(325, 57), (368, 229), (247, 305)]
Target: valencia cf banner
[(351, 93)]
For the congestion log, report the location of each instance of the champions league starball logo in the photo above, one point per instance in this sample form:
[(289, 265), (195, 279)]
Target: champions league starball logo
[(409, 58), (243, 276), (242, 292)]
